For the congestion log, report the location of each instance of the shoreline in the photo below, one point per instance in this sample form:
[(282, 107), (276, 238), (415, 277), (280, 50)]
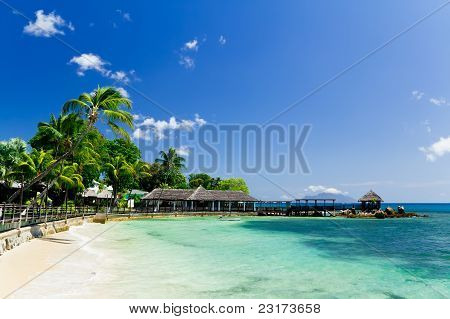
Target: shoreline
[(65, 250), (33, 258)]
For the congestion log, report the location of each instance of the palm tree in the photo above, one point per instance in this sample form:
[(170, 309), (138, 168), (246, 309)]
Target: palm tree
[(105, 103), (138, 171), (68, 179), (116, 171), (58, 134), (31, 165), (171, 163)]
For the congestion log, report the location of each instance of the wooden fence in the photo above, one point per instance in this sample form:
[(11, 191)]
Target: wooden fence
[(14, 216)]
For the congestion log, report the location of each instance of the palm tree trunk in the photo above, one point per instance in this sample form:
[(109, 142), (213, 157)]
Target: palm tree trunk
[(21, 191), (39, 177), (65, 200)]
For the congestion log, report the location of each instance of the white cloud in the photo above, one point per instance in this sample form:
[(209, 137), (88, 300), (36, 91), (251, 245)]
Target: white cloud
[(191, 45), (222, 40), (438, 101), (437, 149), (418, 95), (286, 197), (141, 134), (120, 76), (47, 25), (187, 62), (199, 120), (147, 125), (185, 59), (183, 151), (123, 92), (91, 61), (323, 189)]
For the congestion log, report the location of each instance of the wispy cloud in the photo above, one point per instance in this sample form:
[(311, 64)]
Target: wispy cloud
[(186, 52), (91, 61), (438, 101), (125, 15), (437, 149), (367, 183), (148, 126), (418, 95), (187, 62), (47, 25), (222, 40), (323, 189), (427, 125)]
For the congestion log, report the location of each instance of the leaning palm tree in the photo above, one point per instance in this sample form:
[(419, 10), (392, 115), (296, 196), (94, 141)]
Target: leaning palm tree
[(106, 104)]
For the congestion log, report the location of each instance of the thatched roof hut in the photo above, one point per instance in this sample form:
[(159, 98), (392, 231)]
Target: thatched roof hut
[(370, 201), (371, 196), (198, 194)]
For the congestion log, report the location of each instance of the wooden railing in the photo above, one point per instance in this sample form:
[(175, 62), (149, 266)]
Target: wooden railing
[(15, 216)]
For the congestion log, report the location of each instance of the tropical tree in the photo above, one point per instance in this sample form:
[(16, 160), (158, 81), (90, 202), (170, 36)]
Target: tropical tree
[(204, 180), (31, 165), (234, 184), (68, 179), (11, 153), (171, 164), (58, 134), (121, 147), (106, 104), (117, 174), (154, 179), (139, 170)]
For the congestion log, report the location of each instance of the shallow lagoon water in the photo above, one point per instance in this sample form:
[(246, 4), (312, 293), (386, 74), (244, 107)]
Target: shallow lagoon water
[(258, 257)]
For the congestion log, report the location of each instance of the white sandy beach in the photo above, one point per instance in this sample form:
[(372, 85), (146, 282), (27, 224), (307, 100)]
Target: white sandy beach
[(27, 263)]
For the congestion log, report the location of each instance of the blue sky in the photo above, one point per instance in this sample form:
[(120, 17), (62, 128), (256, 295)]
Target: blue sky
[(383, 125)]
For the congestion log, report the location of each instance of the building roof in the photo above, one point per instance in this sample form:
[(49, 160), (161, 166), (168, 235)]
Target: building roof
[(370, 196), (89, 193), (138, 192), (198, 194), (104, 194)]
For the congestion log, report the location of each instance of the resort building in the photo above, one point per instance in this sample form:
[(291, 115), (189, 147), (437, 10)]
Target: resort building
[(199, 199), (370, 201)]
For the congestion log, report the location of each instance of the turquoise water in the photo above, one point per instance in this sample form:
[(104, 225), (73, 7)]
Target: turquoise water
[(282, 258), (258, 257)]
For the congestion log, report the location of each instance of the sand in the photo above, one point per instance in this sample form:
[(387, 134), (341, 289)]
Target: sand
[(27, 262)]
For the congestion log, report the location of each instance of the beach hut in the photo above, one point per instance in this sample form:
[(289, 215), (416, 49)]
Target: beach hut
[(199, 199), (370, 201)]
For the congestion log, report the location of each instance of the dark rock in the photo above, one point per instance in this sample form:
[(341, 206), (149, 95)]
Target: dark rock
[(389, 211), (380, 215)]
